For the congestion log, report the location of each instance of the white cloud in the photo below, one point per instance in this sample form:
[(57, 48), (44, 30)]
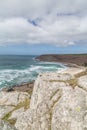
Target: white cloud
[(57, 22)]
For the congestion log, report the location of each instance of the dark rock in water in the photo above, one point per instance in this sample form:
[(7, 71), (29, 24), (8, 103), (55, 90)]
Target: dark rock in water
[(10, 89), (6, 126)]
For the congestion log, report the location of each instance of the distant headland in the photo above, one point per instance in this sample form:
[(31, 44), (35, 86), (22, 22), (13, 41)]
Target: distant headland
[(70, 59)]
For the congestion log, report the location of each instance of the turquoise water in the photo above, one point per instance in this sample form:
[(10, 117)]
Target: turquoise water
[(15, 70)]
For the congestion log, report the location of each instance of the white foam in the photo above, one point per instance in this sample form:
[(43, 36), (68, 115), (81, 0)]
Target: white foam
[(42, 62), (33, 68), (18, 76)]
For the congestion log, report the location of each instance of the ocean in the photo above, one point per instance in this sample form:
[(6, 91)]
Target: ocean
[(16, 70)]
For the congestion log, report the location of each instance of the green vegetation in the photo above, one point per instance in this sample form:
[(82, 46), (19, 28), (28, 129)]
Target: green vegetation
[(73, 82), (24, 104), (7, 116), (12, 121)]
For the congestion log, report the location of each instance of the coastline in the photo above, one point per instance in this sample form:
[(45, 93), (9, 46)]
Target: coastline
[(70, 60), (28, 86), (64, 64), (49, 88)]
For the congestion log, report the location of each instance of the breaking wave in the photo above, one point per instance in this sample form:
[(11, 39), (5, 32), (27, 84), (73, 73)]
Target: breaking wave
[(16, 76)]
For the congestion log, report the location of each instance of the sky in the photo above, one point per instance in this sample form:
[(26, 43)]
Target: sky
[(43, 26)]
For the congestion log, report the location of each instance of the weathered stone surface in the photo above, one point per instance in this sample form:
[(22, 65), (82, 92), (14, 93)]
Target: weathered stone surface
[(11, 102), (4, 110), (55, 105), (15, 114), (82, 82), (74, 71), (6, 126), (69, 112), (12, 98), (56, 76)]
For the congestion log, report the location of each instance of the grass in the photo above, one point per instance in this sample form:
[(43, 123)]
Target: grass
[(6, 116), (12, 121), (24, 104), (73, 83)]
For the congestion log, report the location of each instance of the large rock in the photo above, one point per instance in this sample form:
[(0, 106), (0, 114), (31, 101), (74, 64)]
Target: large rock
[(55, 105)]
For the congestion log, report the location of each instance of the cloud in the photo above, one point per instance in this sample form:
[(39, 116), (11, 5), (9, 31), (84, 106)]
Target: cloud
[(43, 21)]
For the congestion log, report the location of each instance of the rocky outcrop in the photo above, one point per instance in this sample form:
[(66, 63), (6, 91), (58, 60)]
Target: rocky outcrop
[(58, 102)]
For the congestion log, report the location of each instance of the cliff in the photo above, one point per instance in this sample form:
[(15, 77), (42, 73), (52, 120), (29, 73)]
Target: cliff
[(79, 59), (58, 102)]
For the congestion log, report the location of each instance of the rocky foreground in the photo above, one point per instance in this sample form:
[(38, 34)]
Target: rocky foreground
[(58, 102)]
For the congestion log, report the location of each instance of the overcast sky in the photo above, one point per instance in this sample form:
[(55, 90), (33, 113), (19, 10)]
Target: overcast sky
[(43, 26)]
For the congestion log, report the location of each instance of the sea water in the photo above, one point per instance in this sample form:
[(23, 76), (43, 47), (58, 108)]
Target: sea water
[(16, 70)]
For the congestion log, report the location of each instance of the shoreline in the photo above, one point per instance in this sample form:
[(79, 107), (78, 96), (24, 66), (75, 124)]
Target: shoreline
[(67, 59), (64, 64), (28, 86), (71, 65)]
